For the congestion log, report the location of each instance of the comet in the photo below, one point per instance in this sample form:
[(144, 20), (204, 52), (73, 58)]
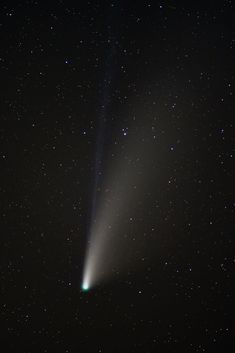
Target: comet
[(97, 233), (85, 286)]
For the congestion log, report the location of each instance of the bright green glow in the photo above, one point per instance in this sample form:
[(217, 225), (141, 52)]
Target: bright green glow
[(85, 287)]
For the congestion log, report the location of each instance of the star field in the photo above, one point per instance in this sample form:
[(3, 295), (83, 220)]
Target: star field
[(131, 105)]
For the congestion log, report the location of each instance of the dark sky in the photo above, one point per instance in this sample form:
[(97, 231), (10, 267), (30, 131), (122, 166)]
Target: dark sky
[(81, 82)]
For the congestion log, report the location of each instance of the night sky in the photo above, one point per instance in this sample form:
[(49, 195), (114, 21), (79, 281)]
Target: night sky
[(117, 116)]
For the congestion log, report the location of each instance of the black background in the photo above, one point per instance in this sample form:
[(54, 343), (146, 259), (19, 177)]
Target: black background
[(170, 71)]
